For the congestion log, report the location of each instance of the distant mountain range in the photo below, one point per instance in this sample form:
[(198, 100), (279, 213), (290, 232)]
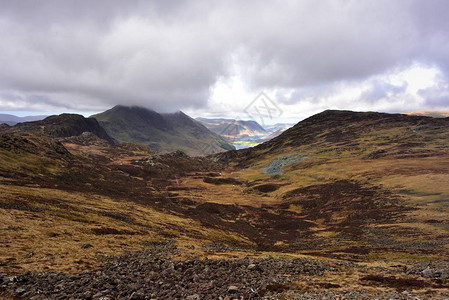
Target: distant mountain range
[(430, 113), (12, 119), (233, 129), (278, 127), (244, 134), (161, 132)]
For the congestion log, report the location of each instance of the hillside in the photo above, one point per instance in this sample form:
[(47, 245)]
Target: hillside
[(233, 129), (57, 197), (369, 184), (162, 132), (65, 126), (367, 131)]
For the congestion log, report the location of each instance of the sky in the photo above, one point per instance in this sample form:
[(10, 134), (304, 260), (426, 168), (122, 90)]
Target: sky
[(214, 58)]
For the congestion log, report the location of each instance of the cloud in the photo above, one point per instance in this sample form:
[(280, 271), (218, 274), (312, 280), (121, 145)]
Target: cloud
[(437, 95), (91, 55)]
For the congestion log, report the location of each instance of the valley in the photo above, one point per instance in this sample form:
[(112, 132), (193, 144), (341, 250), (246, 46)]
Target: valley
[(224, 150), (343, 204), (243, 134)]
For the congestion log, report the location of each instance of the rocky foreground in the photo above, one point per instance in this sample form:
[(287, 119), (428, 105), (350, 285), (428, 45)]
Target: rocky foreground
[(151, 274)]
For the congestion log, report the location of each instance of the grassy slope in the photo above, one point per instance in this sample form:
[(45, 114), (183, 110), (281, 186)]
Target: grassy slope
[(374, 189), (55, 224), (53, 201)]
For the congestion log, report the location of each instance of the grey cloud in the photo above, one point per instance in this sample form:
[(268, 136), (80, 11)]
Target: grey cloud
[(380, 89), (437, 97), (349, 40), (167, 55)]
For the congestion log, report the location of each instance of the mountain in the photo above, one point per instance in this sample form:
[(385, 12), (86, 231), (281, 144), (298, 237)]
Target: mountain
[(343, 203), (64, 126), (162, 132), (233, 129), (430, 113), (13, 120), (333, 127)]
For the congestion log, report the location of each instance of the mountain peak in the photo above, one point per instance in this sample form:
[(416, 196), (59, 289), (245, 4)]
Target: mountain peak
[(163, 132)]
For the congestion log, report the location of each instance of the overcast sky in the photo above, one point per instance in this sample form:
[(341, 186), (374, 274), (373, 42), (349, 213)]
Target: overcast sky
[(212, 58)]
